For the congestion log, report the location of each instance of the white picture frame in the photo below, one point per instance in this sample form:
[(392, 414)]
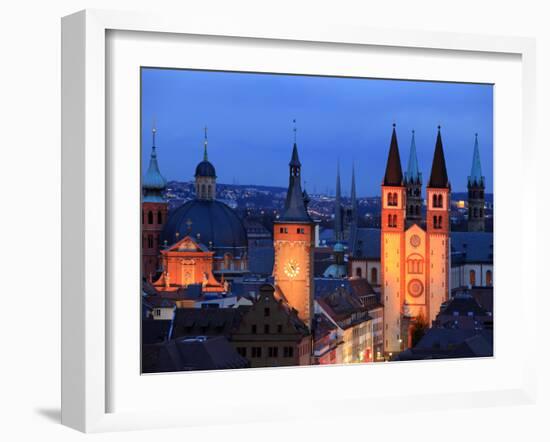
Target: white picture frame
[(86, 350)]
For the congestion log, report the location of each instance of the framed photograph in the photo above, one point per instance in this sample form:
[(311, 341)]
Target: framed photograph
[(251, 212)]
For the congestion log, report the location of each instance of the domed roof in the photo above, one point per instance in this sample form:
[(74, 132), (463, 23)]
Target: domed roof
[(205, 168), (212, 222)]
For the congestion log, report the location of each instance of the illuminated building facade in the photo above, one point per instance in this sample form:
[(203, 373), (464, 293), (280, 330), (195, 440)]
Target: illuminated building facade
[(414, 260), (294, 240)]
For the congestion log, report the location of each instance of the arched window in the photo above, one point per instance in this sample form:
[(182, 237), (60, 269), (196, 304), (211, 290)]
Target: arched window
[(472, 277), (435, 222), (415, 263), (358, 272), (394, 220), (374, 275), (440, 200), (434, 200), (159, 217), (150, 217), (489, 278), (439, 219), (390, 221)]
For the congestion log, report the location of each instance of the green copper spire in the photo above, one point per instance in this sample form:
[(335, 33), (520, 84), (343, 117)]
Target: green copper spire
[(476, 177), (413, 174)]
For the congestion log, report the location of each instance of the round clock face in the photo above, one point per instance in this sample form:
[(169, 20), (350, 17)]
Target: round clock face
[(415, 241), (415, 287), (292, 268)]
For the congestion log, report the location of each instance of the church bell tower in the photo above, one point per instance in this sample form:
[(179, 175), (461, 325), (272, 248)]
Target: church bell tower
[(154, 210), (293, 239), (476, 194)]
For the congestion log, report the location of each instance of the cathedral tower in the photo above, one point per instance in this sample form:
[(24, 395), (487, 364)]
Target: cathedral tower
[(153, 215), (413, 182), (476, 194), (392, 246), (438, 195), (293, 239), (205, 175)]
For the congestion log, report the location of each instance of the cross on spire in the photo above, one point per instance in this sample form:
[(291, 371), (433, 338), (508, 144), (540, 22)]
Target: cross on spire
[(295, 129)]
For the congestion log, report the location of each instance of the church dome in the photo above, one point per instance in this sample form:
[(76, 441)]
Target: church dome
[(211, 222), (205, 168)]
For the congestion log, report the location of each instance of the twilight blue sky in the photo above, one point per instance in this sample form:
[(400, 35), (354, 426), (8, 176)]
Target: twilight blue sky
[(250, 136)]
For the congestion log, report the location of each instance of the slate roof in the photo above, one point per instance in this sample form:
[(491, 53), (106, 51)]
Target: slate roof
[(295, 208), (438, 175), (394, 172), (154, 331), (462, 305), (192, 354), (261, 259), (471, 247), (206, 322)]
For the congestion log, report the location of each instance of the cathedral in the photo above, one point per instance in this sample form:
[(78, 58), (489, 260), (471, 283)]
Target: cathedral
[(414, 259), (201, 242)]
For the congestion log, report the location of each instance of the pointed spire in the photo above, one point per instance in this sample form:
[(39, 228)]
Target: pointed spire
[(153, 182), (295, 208), (413, 174), (353, 195), (205, 158), (476, 177), (438, 176), (394, 173), (338, 206)]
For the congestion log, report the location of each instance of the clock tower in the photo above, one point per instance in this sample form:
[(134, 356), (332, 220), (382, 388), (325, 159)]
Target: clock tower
[(293, 239)]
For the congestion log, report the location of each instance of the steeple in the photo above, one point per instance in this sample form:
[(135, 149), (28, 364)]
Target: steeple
[(354, 213), (438, 176), (338, 207), (295, 209), (153, 182), (205, 175), (476, 177), (413, 174), (394, 173), (205, 157)]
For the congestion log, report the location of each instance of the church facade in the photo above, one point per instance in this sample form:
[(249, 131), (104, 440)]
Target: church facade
[(414, 259)]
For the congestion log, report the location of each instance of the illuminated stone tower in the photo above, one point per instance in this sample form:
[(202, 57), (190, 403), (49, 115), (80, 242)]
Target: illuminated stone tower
[(392, 245), (413, 182), (438, 195), (476, 194), (153, 215), (293, 239)]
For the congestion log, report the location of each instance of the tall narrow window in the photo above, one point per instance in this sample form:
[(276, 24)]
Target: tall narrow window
[(358, 272), (472, 277), (434, 200), (440, 200), (489, 278), (150, 217), (374, 275)]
